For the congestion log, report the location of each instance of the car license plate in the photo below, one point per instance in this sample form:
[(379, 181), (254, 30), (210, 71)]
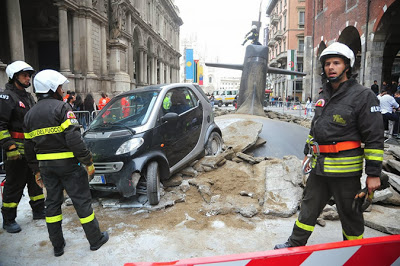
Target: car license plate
[(98, 179)]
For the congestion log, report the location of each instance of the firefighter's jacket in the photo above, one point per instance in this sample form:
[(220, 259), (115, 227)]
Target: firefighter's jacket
[(14, 104), (52, 133), (351, 113)]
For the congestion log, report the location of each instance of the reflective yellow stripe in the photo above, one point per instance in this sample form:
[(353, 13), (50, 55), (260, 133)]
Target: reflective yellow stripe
[(343, 164), (38, 197), (309, 139), (4, 134), (54, 219), (352, 237), (20, 147), (10, 205), (13, 153), (304, 226), (343, 160), (343, 168), (48, 130), (87, 219), (373, 154), (54, 156)]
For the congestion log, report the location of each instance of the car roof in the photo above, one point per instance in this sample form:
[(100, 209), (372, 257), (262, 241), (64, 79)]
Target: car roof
[(157, 88)]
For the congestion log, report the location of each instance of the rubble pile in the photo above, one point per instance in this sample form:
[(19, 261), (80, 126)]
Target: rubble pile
[(237, 182)]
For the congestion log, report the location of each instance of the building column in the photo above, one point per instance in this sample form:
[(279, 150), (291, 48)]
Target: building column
[(76, 46), (89, 49), (141, 66), (145, 81), (103, 50), (63, 40), (15, 30), (161, 71), (82, 43), (167, 73), (155, 64)]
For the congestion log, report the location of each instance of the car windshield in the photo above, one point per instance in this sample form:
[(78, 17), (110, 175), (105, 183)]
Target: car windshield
[(131, 110)]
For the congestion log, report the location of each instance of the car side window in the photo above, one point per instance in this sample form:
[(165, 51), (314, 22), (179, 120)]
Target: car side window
[(192, 98), (177, 101)]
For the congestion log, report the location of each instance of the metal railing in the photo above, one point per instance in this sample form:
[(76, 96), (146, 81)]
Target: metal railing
[(292, 108)]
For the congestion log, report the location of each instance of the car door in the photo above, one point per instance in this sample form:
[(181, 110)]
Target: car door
[(182, 135)]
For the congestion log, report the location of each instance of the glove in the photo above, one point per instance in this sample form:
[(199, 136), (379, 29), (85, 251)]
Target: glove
[(39, 180), (362, 200), (90, 170), (13, 153)]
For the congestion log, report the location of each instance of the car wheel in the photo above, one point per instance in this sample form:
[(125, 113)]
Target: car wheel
[(219, 104), (214, 144), (153, 183), (226, 104)]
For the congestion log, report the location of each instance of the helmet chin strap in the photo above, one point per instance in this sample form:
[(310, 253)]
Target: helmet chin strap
[(22, 85), (338, 78)]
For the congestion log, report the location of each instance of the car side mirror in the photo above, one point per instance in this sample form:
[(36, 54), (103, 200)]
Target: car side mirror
[(200, 105), (170, 117)]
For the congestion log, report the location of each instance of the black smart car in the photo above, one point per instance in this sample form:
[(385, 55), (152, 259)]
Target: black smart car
[(143, 136)]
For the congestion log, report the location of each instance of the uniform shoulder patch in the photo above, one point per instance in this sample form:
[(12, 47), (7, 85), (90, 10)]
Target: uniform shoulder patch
[(320, 103), (375, 109), (71, 115), (4, 96)]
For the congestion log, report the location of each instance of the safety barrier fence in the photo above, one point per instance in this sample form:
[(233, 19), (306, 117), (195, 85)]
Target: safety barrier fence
[(383, 251), (292, 108)]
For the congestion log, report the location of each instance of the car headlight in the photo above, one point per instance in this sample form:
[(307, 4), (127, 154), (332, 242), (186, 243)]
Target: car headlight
[(130, 145)]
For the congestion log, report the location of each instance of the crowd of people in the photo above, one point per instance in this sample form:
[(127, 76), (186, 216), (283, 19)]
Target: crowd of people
[(389, 99)]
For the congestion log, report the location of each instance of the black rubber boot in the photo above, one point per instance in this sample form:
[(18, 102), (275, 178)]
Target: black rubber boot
[(102, 241), (284, 245), (59, 251), (11, 227)]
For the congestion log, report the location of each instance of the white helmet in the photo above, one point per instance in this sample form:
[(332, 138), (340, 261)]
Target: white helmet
[(47, 80), (337, 49), (16, 67), (254, 27)]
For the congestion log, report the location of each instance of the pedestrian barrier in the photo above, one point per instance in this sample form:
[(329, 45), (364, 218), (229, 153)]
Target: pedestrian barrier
[(293, 108), (84, 118), (383, 251)]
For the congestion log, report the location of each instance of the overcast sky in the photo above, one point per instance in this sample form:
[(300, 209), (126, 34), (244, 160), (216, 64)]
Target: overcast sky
[(220, 25)]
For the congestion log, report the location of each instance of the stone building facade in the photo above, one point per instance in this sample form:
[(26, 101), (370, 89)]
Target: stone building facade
[(370, 28), (107, 46), (286, 32)]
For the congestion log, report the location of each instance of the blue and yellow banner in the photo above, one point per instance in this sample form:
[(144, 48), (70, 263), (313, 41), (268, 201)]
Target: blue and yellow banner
[(189, 65), (200, 75)]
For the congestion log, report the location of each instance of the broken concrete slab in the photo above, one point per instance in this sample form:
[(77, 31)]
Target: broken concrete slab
[(394, 180), (381, 195), (240, 134), (381, 219), (394, 200), (394, 164), (247, 158), (394, 150), (283, 190)]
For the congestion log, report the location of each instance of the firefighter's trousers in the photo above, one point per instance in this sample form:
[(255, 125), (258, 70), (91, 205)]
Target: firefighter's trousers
[(318, 191), (68, 175), (18, 174)]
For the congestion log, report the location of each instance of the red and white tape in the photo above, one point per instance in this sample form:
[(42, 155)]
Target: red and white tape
[(383, 251)]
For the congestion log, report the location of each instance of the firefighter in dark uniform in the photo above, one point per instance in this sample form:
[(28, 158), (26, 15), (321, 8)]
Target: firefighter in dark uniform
[(346, 115), (15, 102), (56, 152)]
